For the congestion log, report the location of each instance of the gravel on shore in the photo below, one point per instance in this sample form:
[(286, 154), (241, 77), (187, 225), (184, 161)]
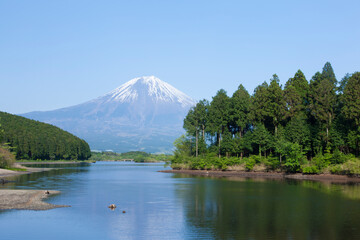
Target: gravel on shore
[(269, 175), (26, 199)]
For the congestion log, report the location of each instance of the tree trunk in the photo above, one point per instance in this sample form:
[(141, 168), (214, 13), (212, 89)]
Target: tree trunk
[(203, 131), (197, 143), (327, 134), (260, 150), (219, 139), (241, 155), (190, 147)]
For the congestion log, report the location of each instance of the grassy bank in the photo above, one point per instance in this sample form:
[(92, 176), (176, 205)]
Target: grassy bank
[(336, 163)]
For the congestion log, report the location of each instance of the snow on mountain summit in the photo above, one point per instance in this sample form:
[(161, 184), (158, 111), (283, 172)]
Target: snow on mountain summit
[(151, 86)]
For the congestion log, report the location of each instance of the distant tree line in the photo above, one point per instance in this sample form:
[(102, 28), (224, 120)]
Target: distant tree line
[(136, 156), (34, 140), (293, 123)]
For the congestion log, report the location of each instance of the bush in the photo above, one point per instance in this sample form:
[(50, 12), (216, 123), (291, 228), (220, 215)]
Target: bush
[(272, 163), (250, 163), (310, 169), (321, 161), (294, 157), (6, 158), (351, 167), (338, 157)]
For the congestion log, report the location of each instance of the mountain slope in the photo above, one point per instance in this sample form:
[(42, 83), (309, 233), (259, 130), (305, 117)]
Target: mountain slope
[(142, 114)]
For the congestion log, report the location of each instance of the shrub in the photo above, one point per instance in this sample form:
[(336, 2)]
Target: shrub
[(338, 157), (250, 163), (272, 163), (294, 157), (321, 161), (6, 158), (310, 169), (351, 167)]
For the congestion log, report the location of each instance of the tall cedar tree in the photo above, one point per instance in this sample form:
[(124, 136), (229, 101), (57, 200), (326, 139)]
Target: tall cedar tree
[(258, 106), (275, 103), (295, 93), (323, 98), (239, 113), (195, 121), (219, 115), (351, 108)]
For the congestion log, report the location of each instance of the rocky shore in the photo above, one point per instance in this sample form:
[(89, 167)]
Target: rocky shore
[(26, 199)]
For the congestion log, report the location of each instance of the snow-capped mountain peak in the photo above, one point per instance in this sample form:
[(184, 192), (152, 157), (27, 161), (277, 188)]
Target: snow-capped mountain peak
[(151, 86)]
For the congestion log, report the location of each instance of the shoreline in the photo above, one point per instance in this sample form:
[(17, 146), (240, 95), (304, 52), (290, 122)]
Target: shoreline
[(26, 199), (53, 162), (268, 175), (10, 173)]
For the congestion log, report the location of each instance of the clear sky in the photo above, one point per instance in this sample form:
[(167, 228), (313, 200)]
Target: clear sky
[(56, 54)]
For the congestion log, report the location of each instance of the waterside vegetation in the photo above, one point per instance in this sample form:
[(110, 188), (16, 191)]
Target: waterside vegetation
[(309, 127), (136, 156)]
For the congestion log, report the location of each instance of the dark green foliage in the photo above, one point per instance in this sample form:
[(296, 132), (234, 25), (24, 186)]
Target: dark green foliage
[(239, 110), (328, 73), (36, 140), (305, 127), (295, 94), (322, 99), (351, 99)]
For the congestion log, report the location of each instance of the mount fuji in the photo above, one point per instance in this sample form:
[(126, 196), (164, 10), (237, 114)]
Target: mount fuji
[(144, 114)]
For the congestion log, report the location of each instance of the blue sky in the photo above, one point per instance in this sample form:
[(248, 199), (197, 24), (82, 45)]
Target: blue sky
[(56, 54)]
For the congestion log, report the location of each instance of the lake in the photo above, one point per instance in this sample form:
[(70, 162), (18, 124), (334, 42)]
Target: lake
[(172, 206)]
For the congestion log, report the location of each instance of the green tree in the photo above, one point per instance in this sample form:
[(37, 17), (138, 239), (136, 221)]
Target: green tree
[(294, 157), (295, 94), (328, 73), (239, 113), (323, 100), (195, 122), (240, 107), (276, 104), (351, 108), (219, 115), (258, 107), (261, 137), (268, 104)]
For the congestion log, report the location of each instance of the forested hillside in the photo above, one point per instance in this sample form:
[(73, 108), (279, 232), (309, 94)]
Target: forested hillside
[(303, 126), (31, 139)]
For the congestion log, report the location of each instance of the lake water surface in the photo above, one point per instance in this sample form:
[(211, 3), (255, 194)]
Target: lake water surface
[(172, 206)]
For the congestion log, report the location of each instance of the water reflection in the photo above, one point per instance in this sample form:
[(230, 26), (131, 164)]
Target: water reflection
[(258, 209), (168, 206), (62, 174)]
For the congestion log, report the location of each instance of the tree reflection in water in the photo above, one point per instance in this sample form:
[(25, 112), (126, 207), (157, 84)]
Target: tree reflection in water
[(242, 208)]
